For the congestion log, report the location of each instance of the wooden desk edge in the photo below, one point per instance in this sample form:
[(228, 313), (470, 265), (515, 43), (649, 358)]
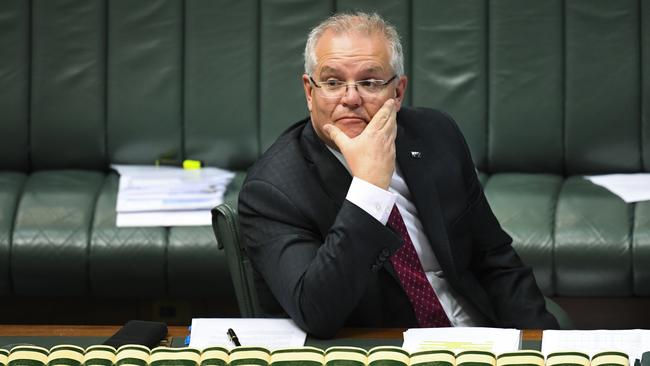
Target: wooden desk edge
[(173, 331), (531, 335), (183, 331), (76, 330)]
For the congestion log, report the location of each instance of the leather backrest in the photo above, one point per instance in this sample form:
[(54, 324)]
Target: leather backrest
[(645, 84), (65, 83), (221, 82), (14, 90), (603, 89), (253, 294), (537, 86), (144, 80)]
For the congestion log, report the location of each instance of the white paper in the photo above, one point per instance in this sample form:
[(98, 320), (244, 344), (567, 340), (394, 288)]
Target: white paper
[(168, 196), (164, 218), (166, 170), (130, 201), (495, 340), (630, 187), (633, 342), (263, 332)]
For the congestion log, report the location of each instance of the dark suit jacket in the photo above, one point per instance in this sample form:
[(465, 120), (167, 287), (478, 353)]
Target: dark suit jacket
[(326, 260)]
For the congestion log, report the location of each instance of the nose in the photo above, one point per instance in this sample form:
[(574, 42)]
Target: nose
[(351, 97)]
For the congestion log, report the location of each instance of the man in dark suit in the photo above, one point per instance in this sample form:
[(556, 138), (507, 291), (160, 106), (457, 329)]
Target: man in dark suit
[(371, 214)]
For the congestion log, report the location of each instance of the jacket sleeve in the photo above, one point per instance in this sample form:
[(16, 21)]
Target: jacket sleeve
[(510, 285), (317, 279)]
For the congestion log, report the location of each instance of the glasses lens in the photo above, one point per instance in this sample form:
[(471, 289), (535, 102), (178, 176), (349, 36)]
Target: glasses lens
[(367, 89)]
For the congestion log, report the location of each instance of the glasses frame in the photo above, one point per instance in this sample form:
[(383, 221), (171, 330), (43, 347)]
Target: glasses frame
[(318, 85)]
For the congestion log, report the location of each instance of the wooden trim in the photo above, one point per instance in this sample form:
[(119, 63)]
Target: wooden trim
[(75, 330)]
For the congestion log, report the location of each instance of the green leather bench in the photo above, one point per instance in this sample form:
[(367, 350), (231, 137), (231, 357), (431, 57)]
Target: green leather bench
[(545, 91)]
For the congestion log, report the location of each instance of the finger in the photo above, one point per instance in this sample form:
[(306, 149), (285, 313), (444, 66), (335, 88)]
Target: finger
[(392, 132), (383, 114), (391, 119), (336, 135), (388, 108)]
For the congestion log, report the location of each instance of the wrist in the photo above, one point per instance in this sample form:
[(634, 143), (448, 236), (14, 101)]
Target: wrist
[(380, 182)]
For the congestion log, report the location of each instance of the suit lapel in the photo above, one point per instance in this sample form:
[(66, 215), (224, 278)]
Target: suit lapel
[(418, 163), (333, 175)]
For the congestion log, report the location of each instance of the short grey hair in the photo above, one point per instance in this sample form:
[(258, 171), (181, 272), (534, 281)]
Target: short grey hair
[(368, 23)]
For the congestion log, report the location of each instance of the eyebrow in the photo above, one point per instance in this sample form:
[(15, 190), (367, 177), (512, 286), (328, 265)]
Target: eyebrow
[(327, 69), (371, 69)]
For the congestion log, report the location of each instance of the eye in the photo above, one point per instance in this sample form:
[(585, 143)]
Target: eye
[(371, 84), (332, 83), (368, 82)]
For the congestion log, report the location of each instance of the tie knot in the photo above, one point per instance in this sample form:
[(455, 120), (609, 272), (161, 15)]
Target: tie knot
[(395, 220)]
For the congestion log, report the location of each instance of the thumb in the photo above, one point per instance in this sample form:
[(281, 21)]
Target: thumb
[(336, 135)]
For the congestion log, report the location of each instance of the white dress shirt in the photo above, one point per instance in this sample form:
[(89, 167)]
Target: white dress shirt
[(378, 203)]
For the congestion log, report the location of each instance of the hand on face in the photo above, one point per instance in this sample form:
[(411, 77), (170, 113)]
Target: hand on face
[(371, 154)]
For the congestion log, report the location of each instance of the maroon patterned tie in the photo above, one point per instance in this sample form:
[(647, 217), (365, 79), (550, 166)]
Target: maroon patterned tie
[(427, 307)]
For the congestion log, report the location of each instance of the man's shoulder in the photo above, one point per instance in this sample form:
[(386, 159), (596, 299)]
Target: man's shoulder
[(424, 120), (419, 115), (282, 156), (422, 112)]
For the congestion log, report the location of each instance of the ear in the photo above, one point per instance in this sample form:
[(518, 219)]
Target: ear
[(306, 84), (400, 90)]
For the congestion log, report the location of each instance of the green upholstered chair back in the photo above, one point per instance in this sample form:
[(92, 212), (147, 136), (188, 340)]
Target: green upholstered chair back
[(88, 83), (225, 224), (537, 86), (253, 295)]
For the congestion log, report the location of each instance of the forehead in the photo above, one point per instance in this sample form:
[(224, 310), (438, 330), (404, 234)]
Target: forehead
[(352, 51)]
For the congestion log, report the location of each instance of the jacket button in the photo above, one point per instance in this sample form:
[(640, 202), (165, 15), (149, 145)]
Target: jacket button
[(374, 267), (385, 252)]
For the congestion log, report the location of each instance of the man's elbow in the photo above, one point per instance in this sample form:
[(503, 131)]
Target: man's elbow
[(319, 328), (318, 322)]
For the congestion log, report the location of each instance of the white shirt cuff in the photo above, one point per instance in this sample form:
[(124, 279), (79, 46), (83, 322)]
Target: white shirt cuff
[(377, 202)]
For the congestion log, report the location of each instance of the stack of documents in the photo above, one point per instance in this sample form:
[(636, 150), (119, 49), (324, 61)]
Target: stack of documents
[(168, 196), (495, 340)]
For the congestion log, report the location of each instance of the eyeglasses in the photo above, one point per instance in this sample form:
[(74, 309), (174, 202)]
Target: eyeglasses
[(333, 88)]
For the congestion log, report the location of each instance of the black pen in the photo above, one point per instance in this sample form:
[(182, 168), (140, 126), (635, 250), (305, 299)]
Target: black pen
[(233, 337)]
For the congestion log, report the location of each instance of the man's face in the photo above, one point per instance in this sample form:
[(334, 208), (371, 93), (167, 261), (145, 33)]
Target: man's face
[(350, 57)]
